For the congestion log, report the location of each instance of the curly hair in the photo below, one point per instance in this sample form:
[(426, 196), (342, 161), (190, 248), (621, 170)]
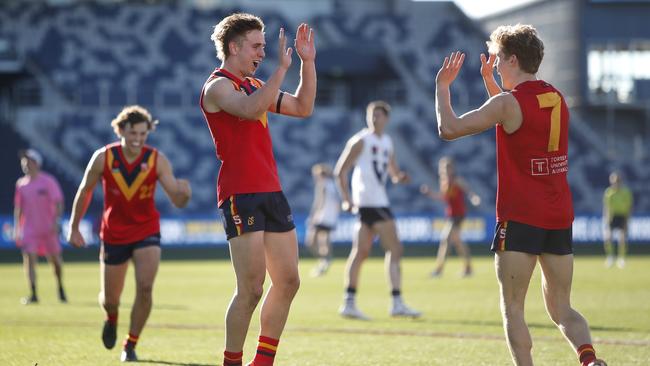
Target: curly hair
[(132, 115), (233, 28), (520, 40)]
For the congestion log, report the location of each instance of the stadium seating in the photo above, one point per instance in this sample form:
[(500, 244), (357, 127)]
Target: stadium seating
[(95, 58)]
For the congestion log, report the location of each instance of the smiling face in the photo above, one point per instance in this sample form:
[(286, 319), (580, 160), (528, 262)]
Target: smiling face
[(134, 136), (248, 52)]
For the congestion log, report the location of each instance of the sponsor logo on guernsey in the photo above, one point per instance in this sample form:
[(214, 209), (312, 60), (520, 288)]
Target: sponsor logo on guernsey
[(549, 166), (539, 166)]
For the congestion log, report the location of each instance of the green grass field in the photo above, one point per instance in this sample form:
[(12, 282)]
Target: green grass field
[(461, 323)]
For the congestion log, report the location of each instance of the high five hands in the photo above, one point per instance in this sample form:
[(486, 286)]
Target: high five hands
[(450, 68), (304, 45), (487, 64)]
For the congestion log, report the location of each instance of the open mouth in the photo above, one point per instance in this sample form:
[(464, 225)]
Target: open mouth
[(256, 64)]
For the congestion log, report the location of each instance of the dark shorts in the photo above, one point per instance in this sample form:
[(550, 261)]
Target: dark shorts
[(372, 215), (120, 253), (249, 212), (618, 222), (517, 237), (457, 220), (321, 227)]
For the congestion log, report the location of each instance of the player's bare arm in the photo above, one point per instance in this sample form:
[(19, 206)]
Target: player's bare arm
[(17, 212), (487, 73), (397, 175), (301, 103), (346, 161), (220, 94), (502, 108), (84, 195), (57, 220), (178, 190), (427, 191)]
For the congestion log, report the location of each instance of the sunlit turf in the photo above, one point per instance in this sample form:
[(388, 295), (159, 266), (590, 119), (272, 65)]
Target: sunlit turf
[(461, 323)]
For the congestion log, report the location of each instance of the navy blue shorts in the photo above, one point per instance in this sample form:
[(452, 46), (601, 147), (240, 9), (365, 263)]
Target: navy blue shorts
[(371, 215), (518, 237), (457, 220), (618, 222), (321, 227), (249, 212), (120, 253)]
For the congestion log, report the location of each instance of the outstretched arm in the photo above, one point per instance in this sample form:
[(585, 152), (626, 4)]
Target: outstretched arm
[(502, 108), (84, 195), (178, 190), (427, 191), (301, 104), (346, 161)]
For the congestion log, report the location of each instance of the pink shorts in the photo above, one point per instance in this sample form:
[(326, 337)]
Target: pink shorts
[(43, 245)]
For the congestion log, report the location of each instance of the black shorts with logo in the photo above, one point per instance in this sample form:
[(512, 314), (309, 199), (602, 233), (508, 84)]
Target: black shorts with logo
[(371, 215), (120, 253), (249, 212), (519, 237), (618, 222)]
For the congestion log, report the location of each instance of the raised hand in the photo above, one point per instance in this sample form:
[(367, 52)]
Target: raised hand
[(285, 53), (304, 43), (450, 68), (487, 64)]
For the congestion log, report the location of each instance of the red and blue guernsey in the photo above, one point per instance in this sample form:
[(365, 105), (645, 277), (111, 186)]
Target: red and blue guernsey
[(130, 213), (243, 146), (533, 161)]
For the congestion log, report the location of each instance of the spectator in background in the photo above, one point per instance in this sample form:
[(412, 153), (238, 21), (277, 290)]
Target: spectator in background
[(323, 216), (130, 228), (38, 205), (617, 207), (453, 190)]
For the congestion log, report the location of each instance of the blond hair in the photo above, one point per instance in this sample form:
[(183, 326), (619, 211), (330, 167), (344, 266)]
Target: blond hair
[(520, 40), (233, 28)]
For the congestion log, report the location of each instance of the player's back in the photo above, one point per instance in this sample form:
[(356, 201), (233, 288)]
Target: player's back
[(533, 161)]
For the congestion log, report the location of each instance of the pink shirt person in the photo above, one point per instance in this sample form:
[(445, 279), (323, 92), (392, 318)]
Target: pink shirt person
[(37, 199)]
